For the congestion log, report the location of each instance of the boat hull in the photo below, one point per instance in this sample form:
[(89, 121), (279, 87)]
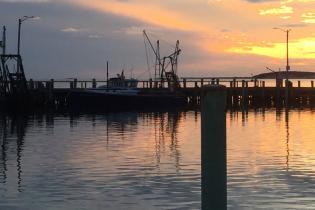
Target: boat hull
[(88, 99)]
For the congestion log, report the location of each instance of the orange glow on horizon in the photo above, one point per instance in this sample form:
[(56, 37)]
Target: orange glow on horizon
[(225, 27)]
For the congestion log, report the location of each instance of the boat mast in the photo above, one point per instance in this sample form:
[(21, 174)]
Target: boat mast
[(107, 74)]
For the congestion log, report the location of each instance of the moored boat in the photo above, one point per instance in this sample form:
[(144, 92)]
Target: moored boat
[(122, 93)]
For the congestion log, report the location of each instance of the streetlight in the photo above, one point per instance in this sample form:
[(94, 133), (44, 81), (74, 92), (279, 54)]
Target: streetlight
[(288, 66), (21, 20), (287, 32)]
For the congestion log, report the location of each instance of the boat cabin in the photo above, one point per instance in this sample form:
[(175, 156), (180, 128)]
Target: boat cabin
[(121, 82)]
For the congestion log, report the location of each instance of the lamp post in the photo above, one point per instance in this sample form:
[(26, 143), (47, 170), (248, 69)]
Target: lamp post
[(21, 20), (288, 66)]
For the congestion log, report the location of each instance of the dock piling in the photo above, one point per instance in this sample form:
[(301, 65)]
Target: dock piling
[(75, 82), (213, 147), (31, 84), (94, 83)]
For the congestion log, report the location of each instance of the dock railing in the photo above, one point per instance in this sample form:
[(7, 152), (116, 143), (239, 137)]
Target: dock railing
[(185, 82)]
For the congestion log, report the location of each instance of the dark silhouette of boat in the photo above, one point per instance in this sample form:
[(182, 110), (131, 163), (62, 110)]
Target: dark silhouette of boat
[(122, 93)]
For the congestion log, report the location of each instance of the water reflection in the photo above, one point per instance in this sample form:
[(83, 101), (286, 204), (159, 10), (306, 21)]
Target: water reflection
[(151, 160), (3, 148), (287, 112), (12, 129)]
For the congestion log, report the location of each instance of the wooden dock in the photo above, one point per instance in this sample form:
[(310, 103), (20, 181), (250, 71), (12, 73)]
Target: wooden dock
[(241, 91)]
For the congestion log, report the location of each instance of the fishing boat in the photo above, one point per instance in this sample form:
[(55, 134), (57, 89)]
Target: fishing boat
[(117, 86), (123, 93)]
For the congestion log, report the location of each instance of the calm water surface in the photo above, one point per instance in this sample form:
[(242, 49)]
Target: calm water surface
[(152, 160)]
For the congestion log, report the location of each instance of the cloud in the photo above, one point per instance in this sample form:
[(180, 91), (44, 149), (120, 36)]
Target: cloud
[(298, 49), (25, 1), (71, 30), (276, 11), (295, 25), (309, 17), (112, 30), (260, 1)]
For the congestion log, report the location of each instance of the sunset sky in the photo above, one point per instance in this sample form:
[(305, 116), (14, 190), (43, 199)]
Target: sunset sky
[(74, 38)]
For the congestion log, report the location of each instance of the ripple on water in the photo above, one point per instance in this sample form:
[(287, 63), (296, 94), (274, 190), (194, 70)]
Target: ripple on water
[(152, 161)]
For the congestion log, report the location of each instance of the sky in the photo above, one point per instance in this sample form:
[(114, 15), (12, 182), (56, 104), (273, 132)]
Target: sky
[(75, 38)]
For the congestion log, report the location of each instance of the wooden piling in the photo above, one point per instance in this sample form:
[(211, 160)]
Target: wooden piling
[(75, 83), (52, 83), (196, 84), (312, 84), (244, 92), (94, 83), (213, 148), (256, 83), (31, 84), (50, 99), (150, 81)]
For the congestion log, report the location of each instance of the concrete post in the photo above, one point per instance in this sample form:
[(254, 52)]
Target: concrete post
[(213, 148)]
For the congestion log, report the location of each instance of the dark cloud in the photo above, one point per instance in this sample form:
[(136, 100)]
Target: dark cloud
[(50, 52), (70, 41)]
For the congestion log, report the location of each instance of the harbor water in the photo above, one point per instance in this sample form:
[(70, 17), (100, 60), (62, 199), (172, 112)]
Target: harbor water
[(151, 160)]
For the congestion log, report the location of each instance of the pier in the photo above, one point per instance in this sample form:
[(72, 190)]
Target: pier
[(241, 91), (267, 89)]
